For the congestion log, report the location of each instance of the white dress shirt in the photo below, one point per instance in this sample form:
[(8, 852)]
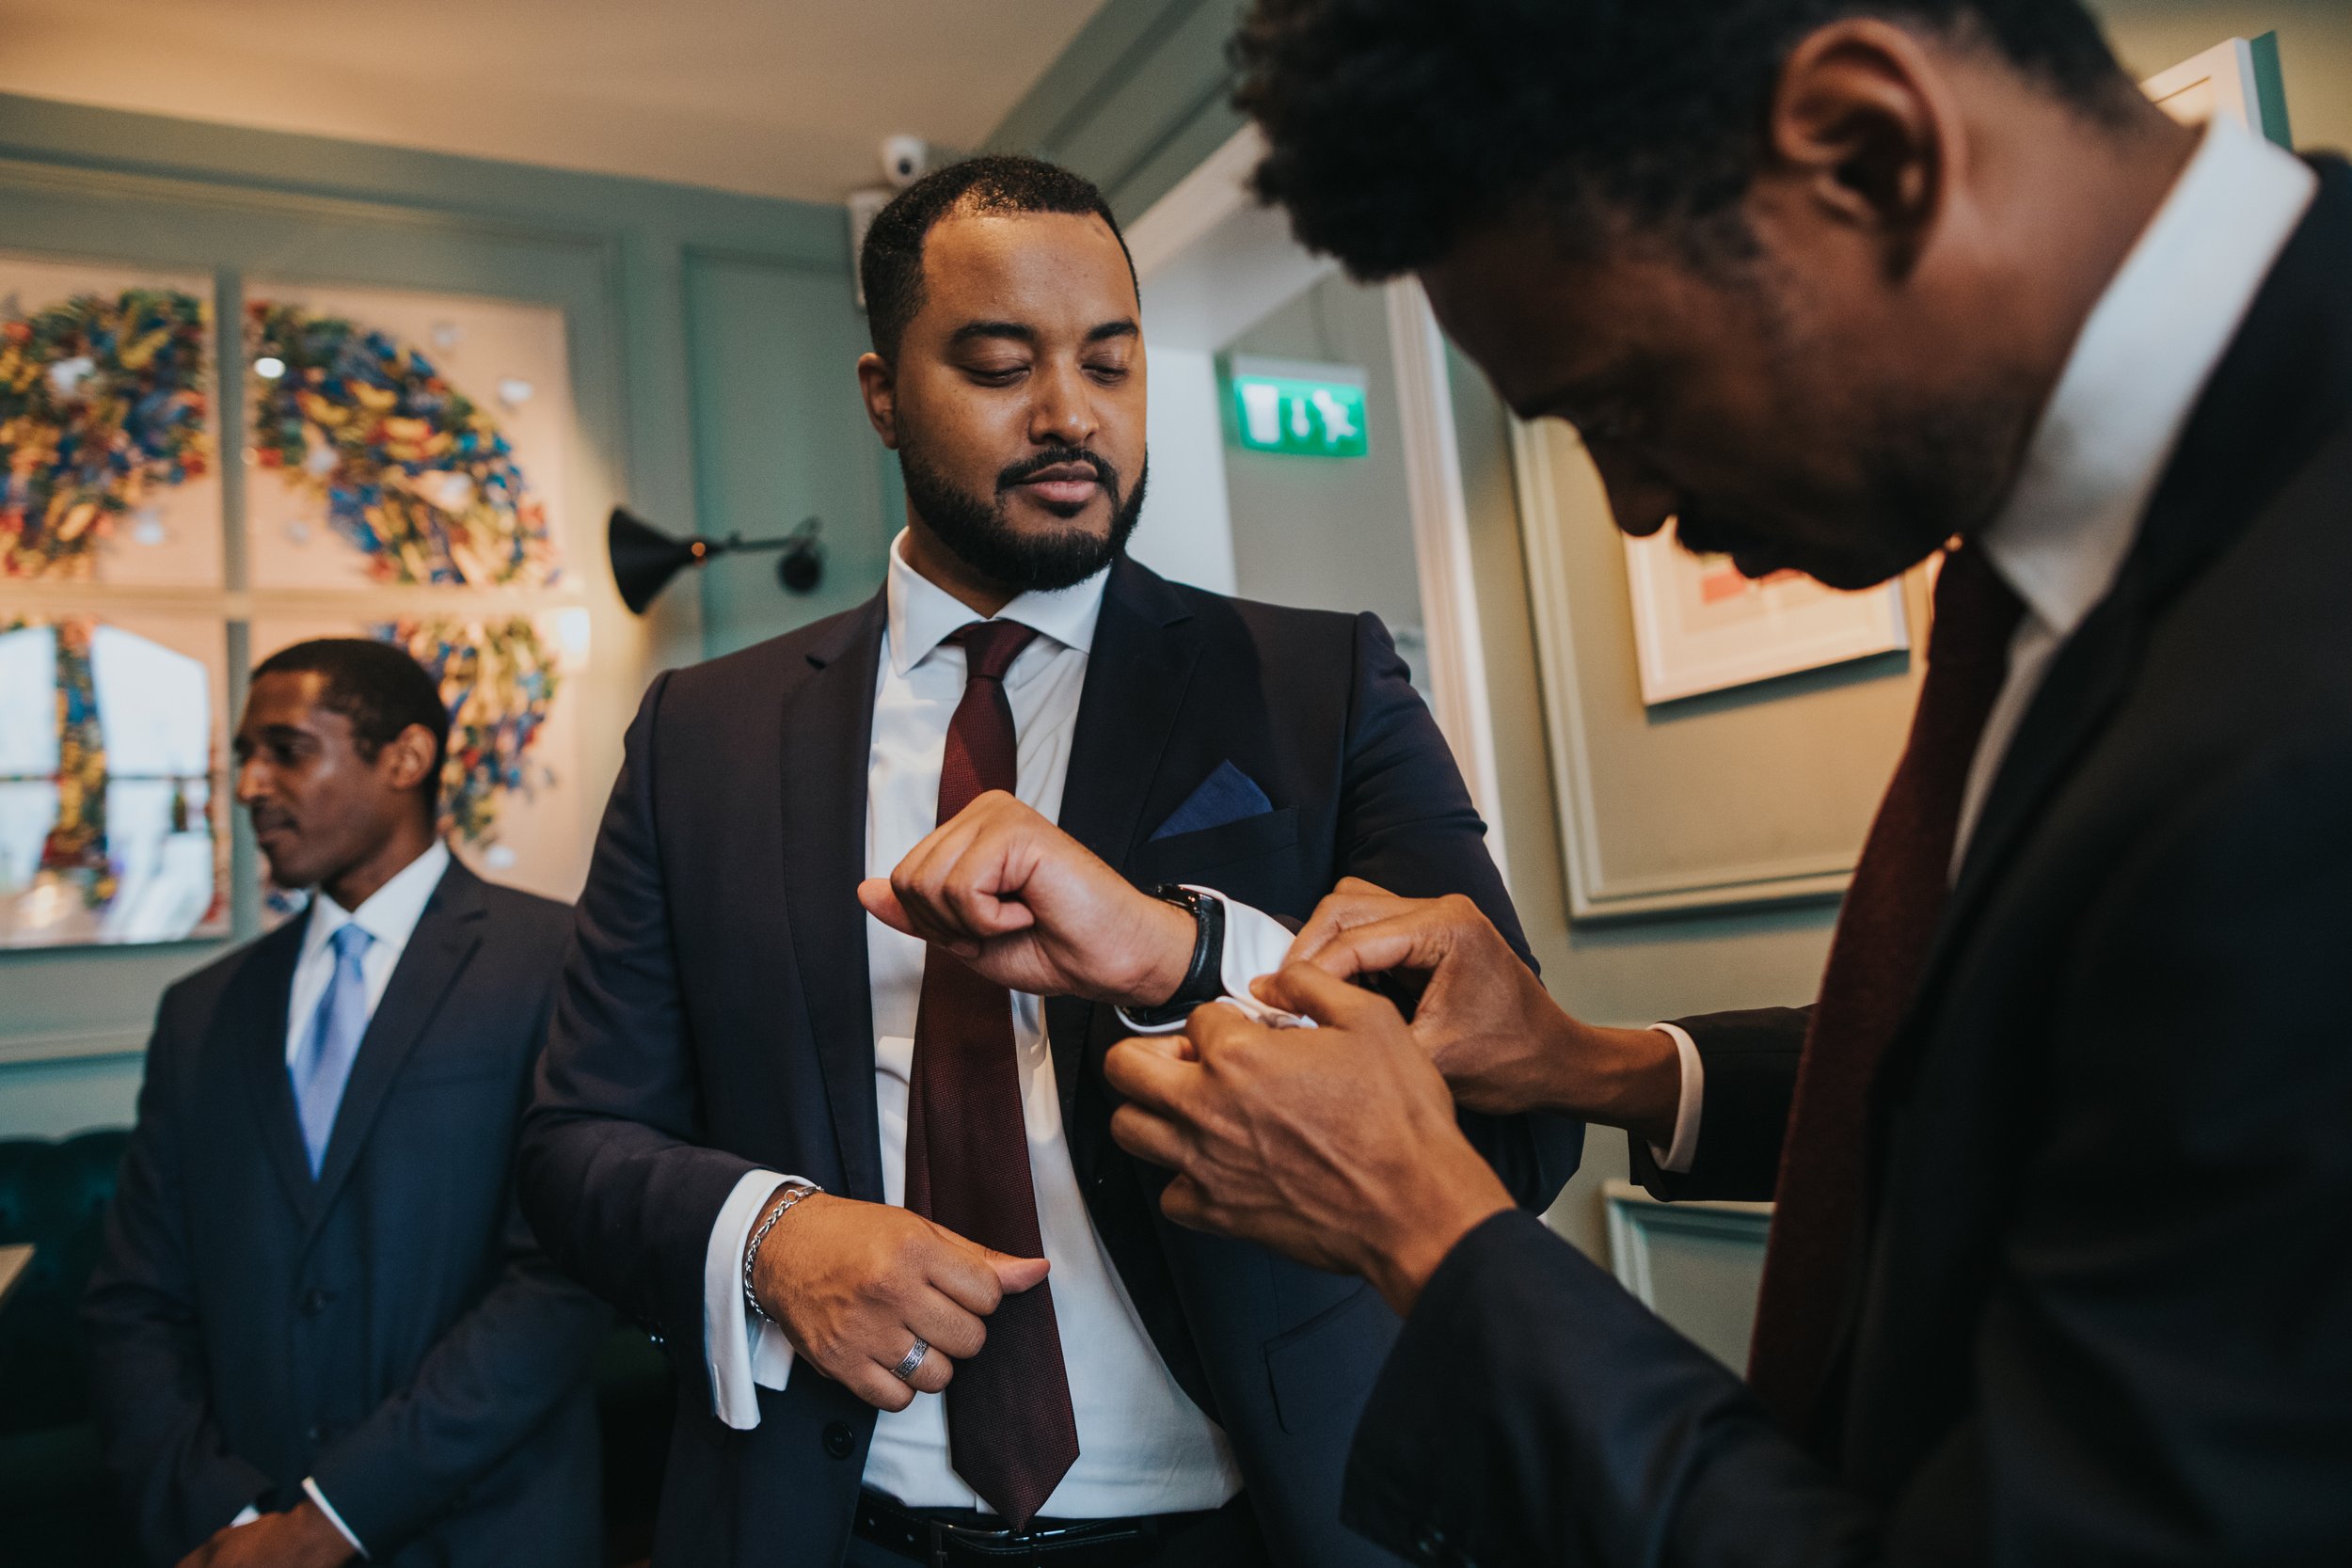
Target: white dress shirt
[(1144, 1447), (389, 916), (2137, 371)]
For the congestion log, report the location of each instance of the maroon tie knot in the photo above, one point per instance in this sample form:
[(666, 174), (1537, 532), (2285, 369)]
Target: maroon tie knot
[(1976, 611), (991, 646)]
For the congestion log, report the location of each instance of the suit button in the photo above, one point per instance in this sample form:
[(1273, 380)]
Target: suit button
[(313, 1302), (316, 1435), (1431, 1545), (838, 1439)]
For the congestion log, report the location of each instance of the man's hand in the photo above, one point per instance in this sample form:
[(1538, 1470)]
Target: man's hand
[(1031, 909), (301, 1537), (854, 1283), (1337, 1146), (1502, 1042)]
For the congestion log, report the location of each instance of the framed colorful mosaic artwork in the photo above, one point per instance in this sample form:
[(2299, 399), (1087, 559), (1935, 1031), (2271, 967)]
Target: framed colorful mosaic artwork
[(108, 427)]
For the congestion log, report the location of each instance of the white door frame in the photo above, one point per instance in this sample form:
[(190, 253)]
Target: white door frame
[(1212, 263)]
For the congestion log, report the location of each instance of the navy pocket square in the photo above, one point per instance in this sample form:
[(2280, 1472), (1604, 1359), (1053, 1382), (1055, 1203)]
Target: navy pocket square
[(1228, 795)]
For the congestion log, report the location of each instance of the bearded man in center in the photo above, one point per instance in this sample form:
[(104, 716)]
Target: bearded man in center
[(921, 1308)]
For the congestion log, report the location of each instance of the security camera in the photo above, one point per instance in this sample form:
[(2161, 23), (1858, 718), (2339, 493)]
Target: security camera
[(905, 160)]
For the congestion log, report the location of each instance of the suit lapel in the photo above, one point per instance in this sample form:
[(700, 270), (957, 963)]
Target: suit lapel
[(827, 733), (2279, 395), (447, 935), (1138, 675), (254, 1019)]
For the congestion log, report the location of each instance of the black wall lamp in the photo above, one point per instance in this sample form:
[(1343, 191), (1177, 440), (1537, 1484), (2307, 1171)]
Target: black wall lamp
[(645, 559)]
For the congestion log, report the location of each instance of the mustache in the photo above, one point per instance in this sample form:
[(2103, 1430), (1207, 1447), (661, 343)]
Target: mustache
[(1105, 472)]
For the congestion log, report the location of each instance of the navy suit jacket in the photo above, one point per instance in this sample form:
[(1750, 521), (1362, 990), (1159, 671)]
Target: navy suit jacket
[(389, 1329), (716, 1018), (2105, 1313)]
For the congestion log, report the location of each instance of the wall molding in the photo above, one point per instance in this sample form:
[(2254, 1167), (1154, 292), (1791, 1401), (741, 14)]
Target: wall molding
[(1594, 890), (1634, 1216), (116, 185), (67, 1045), (1442, 552)]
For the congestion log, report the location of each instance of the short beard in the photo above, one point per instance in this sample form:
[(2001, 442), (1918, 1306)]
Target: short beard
[(1927, 470), (982, 535)]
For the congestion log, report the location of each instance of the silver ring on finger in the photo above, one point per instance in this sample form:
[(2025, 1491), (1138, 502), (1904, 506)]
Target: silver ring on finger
[(904, 1371)]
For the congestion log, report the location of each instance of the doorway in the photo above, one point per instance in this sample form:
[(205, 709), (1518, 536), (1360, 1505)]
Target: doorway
[(1235, 507)]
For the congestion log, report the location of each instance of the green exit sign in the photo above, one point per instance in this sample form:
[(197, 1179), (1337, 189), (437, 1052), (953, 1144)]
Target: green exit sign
[(1306, 410)]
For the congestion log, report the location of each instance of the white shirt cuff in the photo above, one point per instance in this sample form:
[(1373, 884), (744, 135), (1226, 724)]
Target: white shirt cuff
[(249, 1513), (1676, 1159), (1255, 944), (311, 1489), (741, 1353)]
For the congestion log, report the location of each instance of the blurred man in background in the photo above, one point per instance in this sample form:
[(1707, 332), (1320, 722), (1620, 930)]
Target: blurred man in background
[(319, 1328)]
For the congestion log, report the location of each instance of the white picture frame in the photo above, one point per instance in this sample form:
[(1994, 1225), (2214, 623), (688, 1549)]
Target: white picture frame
[(2237, 77), (1700, 627)]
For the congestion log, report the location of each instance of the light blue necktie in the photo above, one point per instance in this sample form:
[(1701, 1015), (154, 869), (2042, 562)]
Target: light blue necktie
[(323, 1065)]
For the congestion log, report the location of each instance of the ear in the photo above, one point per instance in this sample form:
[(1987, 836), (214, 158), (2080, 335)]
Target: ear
[(407, 760), (1866, 127), (879, 386)]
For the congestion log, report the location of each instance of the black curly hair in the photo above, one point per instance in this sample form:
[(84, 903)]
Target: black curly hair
[(379, 689), (1397, 125), (890, 264)]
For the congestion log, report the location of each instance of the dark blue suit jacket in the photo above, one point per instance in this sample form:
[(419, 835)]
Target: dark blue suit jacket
[(389, 1329), (2105, 1313), (715, 1017)]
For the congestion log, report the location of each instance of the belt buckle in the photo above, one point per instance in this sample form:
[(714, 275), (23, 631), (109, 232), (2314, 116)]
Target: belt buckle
[(938, 1529)]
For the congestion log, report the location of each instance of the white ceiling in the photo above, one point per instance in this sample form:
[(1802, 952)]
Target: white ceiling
[(773, 97)]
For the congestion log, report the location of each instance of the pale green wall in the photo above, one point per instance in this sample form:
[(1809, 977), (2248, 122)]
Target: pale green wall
[(711, 339)]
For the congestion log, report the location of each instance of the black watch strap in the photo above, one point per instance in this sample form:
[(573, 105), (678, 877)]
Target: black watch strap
[(1204, 977)]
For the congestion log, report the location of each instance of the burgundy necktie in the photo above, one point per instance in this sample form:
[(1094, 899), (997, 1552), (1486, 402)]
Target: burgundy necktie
[(1883, 932), (1010, 1432)]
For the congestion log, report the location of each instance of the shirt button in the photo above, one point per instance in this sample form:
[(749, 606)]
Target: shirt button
[(838, 1439)]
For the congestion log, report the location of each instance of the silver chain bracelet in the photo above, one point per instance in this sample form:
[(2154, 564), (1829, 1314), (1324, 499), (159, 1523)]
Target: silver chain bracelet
[(793, 1192)]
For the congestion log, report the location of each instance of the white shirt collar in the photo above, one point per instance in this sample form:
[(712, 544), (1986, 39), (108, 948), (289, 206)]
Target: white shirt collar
[(389, 914), (2137, 371), (922, 614)]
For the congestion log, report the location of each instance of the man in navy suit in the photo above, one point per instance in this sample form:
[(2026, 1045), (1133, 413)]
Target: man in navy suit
[(319, 1328), (835, 1169)]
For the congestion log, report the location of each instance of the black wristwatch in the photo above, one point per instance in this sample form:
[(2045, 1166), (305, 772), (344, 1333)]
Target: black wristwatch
[(1204, 979)]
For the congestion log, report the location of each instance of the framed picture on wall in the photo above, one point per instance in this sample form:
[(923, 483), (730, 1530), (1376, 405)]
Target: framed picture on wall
[(108, 430), (403, 439), (2238, 78), (1699, 625), (112, 740)]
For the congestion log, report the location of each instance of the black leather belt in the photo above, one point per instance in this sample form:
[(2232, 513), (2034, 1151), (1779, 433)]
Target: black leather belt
[(949, 1538)]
